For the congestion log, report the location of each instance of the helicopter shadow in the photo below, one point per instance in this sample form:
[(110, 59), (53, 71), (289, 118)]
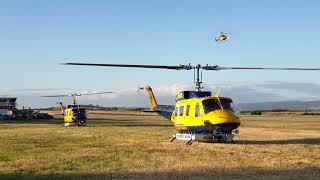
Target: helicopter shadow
[(310, 141), (31, 121), (210, 173), (91, 123)]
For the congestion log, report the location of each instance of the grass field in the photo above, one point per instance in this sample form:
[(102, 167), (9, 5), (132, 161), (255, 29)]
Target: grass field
[(131, 145)]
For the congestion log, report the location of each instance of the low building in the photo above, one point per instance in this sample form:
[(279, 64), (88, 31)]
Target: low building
[(8, 106)]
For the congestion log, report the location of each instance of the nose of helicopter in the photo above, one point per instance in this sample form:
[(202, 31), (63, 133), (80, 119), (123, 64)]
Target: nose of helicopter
[(223, 117), (224, 120)]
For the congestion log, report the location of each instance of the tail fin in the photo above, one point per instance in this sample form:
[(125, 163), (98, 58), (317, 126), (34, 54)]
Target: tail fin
[(163, 110), (153, 100)]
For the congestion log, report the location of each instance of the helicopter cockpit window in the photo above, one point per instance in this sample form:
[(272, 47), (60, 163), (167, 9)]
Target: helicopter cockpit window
[(181, 108), (227, 104), (197, 110), (188, 110), (176, 112), (213, 104)]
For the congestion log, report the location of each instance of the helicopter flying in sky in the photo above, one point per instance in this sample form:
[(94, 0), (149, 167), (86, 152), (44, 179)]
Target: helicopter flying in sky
[(198, 115), (74, 115), (222, 37)]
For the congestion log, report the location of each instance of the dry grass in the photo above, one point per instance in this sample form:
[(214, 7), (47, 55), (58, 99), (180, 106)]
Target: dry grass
[(131, 145)]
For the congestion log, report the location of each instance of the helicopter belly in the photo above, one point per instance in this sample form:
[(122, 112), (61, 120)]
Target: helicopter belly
[(207, 126), (193, 128), (197, 128), (227, 127)]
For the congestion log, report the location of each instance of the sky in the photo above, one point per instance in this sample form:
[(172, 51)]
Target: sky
[(37, 35)]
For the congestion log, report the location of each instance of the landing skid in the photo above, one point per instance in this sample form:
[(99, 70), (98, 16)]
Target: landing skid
[(70, 124), (74, 124), (204, 137)]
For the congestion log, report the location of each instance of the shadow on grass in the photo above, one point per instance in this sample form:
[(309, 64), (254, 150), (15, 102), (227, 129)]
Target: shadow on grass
[(32, 121), (314, 141), (298, 173), (95, 122)]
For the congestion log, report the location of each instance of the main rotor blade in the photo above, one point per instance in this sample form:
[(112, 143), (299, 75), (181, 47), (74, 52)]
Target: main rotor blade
[(218, 68), (97, 93), (78, 94), (57, 96), (189, 67), (180, 67)]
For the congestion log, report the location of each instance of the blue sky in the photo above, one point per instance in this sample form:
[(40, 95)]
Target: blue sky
[(37, 35)]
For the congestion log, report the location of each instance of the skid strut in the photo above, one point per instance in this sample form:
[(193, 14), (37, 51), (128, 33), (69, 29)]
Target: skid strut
[(173, 138), (189, 143), (204, 137)]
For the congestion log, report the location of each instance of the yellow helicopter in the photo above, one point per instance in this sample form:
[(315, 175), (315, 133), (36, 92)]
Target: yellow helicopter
[(198, 116), (74, 115), (222, 37)]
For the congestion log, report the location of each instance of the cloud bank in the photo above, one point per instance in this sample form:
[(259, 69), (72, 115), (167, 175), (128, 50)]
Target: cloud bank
[(240, 93)]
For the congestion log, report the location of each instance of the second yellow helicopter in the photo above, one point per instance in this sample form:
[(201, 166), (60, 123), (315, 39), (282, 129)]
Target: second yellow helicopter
[(74, 115)]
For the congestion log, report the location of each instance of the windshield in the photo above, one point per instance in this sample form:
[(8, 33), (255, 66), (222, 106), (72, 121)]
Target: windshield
[(213, 104)]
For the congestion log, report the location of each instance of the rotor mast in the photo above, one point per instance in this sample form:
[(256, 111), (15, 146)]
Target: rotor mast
[(198, 80), (74, 99)]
